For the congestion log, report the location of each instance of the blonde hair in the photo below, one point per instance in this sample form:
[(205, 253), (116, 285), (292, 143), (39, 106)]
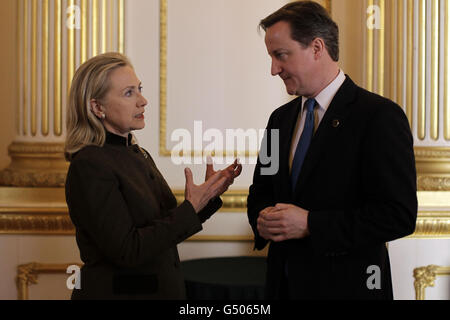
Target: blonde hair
[(91, 81)]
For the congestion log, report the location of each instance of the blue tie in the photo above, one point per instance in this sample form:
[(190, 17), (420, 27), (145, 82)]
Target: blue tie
[(303, 144)]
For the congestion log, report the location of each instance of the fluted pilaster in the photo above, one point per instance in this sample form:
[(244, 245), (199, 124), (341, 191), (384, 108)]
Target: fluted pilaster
[(54, 37), (407, 60)]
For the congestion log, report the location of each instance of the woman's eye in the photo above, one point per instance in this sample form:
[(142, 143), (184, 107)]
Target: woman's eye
[(141, 89), (129, 93)]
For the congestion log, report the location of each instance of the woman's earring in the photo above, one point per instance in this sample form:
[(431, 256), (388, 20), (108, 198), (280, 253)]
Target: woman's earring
[(103, 116)]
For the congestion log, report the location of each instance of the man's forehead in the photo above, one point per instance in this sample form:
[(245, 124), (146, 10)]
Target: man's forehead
[(279, 28), (280, 31), (278, 38)]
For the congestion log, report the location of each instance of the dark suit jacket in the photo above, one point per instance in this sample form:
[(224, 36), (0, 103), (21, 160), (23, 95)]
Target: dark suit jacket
[(127, 224), (358, 181)]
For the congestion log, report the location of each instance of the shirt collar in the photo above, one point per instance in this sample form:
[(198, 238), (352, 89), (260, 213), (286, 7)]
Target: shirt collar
[(115, 139), (325, 96)]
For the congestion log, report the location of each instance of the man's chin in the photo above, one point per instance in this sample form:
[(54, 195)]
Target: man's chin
[(291, 91)]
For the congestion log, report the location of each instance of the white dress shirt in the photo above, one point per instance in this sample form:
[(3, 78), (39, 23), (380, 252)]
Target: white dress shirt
[(323, 100)]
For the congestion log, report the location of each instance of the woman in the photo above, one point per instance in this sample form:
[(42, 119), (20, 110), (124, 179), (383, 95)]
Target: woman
[(126, 218)]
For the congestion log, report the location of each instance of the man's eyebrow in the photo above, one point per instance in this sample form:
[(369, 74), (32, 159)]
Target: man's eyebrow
[(278, 50)]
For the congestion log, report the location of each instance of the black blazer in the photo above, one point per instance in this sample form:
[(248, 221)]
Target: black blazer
[(127, 224), (358, 181)]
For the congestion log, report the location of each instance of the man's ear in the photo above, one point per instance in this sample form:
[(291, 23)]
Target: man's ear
[(97, 109), (318, 46)]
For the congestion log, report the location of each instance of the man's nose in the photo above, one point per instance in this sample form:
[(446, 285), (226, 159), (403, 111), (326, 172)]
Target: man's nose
[(276, 69)]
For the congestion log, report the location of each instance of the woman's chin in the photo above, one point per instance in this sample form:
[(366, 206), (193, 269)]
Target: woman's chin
[(139, 126)]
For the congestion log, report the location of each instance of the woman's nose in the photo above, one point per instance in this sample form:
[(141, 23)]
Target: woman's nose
[(142, 101)]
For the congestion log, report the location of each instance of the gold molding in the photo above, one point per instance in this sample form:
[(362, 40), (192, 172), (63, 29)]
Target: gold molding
[(70, 58), (94, 39), (121, 26), (421, 69), (45, 71), (19, 41), (447, 72), (432, 225), (434, 91), (163, 151), (163, 79), (27, 274), (43, 211), (39, 221), (35, 165), (369, 54), (392, 74), (103, 23), (84, 31), (221, 238), (400, 48), (409, 108), (233, 201), (56, 221), (433, 183), (34, 78), (425, 277), (57, 69), (25, 8), (433, 168), (381, 46)]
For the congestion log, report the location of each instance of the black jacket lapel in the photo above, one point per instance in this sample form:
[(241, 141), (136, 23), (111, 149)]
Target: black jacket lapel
[(286, 132), (332, 121)]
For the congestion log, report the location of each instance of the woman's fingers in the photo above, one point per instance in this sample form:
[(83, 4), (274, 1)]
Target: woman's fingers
[(238, 170), (233, 171), (209, 168), (217, 182), (189, 177), (213, 179)]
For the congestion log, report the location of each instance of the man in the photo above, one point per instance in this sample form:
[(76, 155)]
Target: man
[(346, 182)]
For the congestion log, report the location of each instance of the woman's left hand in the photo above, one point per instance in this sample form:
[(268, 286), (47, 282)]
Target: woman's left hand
[(230, 173)]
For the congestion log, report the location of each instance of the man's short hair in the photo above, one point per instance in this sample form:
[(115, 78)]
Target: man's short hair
[(308, 20)]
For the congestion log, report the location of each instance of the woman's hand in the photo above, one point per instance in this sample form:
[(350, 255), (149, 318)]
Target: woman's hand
[(199, 196), (230, 173)]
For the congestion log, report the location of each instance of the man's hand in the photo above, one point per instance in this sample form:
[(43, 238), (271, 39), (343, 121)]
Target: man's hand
[(283, 222)]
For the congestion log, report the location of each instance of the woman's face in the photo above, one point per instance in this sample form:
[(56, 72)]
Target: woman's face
[(124, 103)]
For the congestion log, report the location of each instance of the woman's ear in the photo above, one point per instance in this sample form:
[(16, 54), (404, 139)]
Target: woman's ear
[(97, 109)]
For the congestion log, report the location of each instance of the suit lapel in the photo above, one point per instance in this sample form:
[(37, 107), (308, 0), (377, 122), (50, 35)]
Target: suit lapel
[(286, 132), (331, 123)]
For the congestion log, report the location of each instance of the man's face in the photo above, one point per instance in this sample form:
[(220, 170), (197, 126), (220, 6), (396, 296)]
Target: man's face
[(290, 60)]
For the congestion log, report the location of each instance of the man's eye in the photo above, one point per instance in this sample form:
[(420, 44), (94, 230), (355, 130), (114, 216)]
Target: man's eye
[(129, 93), (281, 55), (141, 89)]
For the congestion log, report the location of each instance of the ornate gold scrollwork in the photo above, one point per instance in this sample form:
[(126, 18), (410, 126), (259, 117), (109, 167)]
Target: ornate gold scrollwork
[(27, 274), (433, 168), (35, 165), (425, 277)]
